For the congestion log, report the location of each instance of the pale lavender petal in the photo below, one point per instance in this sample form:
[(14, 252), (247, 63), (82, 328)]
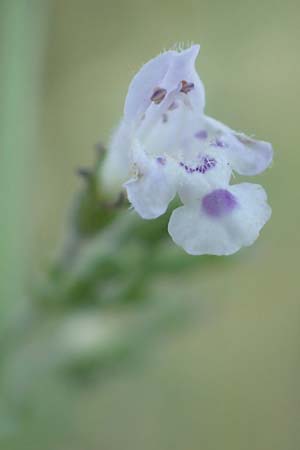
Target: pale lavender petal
[(249, 156), (153, 186), (169, 73), (182, 70), (115, 169), (221, 222), (212, 172), (246, 155), (144, 83)]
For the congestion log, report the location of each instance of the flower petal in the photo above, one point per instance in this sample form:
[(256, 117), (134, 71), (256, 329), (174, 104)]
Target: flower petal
[(182, 70), (115, 169), (194, 183), (144, 82), (246, 155), (160, 78), (153, 187), (222, 224)]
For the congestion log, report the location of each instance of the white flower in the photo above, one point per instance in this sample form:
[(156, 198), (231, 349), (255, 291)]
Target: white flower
[(165, 145)]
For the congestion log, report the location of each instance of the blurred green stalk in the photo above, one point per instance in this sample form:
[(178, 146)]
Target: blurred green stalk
[(22, 35)]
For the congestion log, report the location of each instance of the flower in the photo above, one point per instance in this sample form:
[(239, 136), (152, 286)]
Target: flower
[(165, 145)]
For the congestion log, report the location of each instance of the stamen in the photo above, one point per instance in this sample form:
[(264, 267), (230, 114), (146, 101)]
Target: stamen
[(158, 95), (186, 87), (164, 118)]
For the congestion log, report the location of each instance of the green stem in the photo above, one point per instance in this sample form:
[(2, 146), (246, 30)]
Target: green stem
[(22, 35)]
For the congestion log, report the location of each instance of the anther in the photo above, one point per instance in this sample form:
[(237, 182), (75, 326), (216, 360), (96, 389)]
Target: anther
[(158, 95), (186, 87)]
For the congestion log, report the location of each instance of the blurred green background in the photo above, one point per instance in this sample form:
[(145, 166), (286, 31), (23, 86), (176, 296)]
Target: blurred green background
[(230, 379)]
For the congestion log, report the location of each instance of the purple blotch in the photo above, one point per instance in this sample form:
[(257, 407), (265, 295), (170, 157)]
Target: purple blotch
[(219, 203), (219, 143), (161, 160), (202, 134)]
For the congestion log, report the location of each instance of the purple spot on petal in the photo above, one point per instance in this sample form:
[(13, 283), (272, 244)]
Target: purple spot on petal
[(206, 164), (202, 135), (219, 203), (161, 160), (218, 143)]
